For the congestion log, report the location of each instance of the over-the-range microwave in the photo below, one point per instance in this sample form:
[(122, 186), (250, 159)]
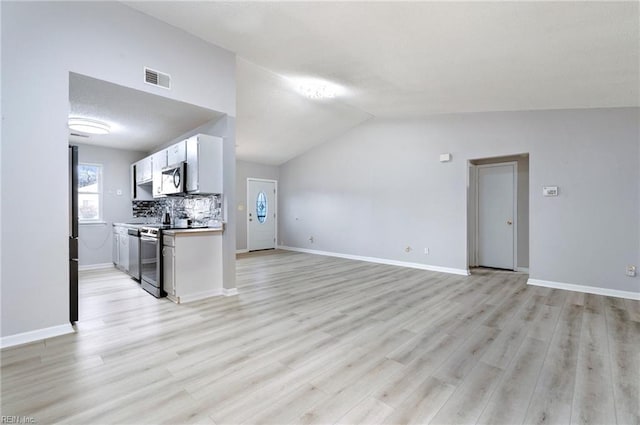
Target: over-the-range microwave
[(174, 178)]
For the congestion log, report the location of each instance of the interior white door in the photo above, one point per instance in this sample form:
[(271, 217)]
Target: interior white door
[(261, 214), (496, 215)]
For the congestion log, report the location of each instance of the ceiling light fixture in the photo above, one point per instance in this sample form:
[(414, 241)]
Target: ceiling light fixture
[(85, 125), (316, 89)]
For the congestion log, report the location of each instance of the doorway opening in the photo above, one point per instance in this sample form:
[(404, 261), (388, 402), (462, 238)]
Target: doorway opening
[(498, 213), (138, 122), (262, 209)]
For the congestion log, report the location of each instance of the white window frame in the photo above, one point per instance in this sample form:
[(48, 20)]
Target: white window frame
[(100, 194)]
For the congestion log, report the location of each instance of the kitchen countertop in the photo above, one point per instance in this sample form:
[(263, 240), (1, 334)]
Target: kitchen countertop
[(174, 231), (171, 230), (130, 225)]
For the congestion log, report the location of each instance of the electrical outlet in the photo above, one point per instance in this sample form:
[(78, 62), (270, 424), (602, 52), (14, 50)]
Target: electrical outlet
[(631, 271), (426, 251), (407, 249), (311, 239)]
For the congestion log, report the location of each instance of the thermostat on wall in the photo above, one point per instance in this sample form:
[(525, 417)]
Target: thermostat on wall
[(445, 157), (550, 190)]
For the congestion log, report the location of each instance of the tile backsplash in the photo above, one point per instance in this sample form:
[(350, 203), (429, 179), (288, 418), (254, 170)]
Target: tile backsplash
[(199, 208)]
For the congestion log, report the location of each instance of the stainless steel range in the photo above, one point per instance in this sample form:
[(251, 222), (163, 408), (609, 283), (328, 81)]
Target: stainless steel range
[(150, 260)]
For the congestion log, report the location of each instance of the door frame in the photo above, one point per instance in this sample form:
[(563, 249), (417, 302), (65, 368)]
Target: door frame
[(476, 170), (249, 202)]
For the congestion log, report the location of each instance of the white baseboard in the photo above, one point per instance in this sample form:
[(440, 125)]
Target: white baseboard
[(586, 289), (197, 296), (241, 251), (37, 335), (229, 292), (95, 266), (463, 272), (522, 269)]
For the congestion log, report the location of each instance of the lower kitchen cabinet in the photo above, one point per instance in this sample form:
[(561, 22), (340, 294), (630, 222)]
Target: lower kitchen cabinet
[(120, 251), (191, 264)]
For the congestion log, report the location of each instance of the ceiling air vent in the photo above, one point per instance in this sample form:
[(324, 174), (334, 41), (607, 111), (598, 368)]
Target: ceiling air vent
[(156, 78)]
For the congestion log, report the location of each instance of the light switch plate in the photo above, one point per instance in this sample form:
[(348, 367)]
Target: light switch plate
[(445, 157), (550, 190)]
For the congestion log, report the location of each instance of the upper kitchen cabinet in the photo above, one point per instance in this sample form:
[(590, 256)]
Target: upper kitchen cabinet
[(177, 153), (204, 164), (160, 160), (140, 189), (143, 170)]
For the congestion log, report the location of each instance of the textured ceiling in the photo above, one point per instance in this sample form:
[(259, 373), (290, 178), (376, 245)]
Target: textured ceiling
[(139, 121), (402, 59)]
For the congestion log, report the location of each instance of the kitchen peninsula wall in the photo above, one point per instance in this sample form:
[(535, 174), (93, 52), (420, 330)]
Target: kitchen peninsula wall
[(200, 208)]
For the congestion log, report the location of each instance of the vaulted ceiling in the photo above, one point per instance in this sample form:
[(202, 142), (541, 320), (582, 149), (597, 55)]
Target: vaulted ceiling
[(407, 59)]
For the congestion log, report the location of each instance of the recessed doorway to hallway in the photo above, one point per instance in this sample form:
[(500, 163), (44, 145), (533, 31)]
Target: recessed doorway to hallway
[(498, 213)]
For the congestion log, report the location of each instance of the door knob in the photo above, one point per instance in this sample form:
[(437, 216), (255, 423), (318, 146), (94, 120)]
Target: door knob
[(509, 222)]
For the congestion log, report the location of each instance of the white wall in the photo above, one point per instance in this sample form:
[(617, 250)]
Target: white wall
[(41, 44), (380, 188), (95, 240), (244, 170)]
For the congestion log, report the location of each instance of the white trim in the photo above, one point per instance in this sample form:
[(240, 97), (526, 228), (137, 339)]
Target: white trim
[(241, 251), (197, 296), (229, 292), (586, 289), (37, 335), (472, 205), (101, 266), (522, 269), (100, 219), (249, 202), (462, 272), (514, 211)]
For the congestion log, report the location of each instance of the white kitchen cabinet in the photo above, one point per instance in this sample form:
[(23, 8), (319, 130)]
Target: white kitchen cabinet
[(124, 250), (191, 264), (144, 170), (120, 250), (169, 270), (159, 160), (139, 191), (177, 153), (115, 253), (204, 164)]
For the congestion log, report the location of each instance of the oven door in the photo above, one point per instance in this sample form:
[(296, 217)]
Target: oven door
[(150, 265)]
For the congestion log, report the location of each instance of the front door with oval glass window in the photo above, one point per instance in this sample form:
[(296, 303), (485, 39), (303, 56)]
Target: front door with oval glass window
[(261, 214)]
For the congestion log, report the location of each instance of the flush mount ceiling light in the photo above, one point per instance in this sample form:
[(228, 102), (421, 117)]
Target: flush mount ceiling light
[(316, 89), (85, 125)]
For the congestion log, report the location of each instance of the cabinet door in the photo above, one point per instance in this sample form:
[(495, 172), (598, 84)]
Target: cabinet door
[(177, 153), (204, 164), (159, 162), (192, 164), (169, 270), (115, 253), (143, 170), (124, 250)]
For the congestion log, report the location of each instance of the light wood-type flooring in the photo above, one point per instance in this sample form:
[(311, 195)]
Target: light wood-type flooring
[(320, 340)]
